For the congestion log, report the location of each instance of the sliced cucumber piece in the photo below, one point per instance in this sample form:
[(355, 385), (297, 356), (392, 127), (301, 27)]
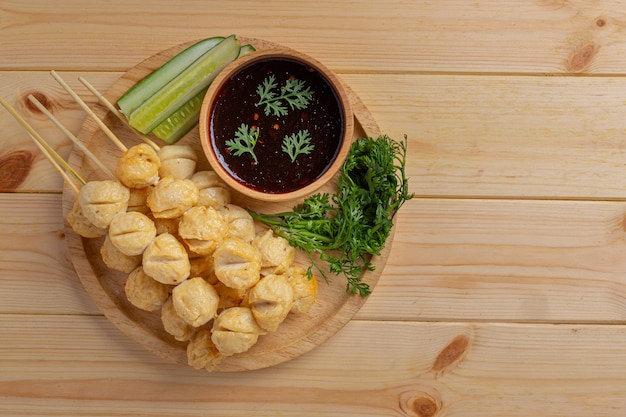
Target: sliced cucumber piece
[(246, 49), (185, 86), (181, 121), (154, 81), (172, 129)]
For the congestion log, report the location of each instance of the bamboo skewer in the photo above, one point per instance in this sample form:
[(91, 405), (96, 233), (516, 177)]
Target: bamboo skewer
[(71, 136), (54, 163), (116, 112), (85, 107), (33, 133)]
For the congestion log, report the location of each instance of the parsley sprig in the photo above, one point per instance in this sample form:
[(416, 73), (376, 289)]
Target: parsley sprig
[(293, 92), (297, 144), (350, 226), (244, 142)]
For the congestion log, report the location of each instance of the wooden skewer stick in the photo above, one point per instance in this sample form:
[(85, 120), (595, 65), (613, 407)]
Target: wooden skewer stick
[(33, 133), (67, 178), (116, 112), (71, 136), (85, 107)]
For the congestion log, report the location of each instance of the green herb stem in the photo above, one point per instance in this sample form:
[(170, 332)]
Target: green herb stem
[(349, 227)]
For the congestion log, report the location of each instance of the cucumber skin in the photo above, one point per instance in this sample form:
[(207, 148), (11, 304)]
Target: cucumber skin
[(185, 86), (172, 129), (154, 81), (178, 124)]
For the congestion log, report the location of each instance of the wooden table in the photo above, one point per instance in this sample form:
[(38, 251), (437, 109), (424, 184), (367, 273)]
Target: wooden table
[(505, 290)]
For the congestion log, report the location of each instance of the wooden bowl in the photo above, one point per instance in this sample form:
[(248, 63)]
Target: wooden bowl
[(271, 170)]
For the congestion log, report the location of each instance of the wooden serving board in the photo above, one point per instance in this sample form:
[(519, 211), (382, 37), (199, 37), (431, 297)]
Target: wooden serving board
[(296, 336)]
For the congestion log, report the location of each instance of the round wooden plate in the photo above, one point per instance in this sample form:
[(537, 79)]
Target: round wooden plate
[(297, 335)]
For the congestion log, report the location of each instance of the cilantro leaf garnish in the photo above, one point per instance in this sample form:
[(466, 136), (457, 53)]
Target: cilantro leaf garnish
[(293, 93), (297, 144), (244, 142)]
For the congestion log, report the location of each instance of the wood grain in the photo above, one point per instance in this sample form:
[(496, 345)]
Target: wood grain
[(574, 36), (497, 369), (504, 293)]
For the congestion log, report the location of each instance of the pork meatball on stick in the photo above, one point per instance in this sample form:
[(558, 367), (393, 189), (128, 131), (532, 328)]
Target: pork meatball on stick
[(195, 301), (171, 197), (178, 161), (240, 223), (131, 232), (235, 331), (144, 292), (276, 253), (212, 191), (101, 201), (203, 229), (138, 166), (138, 200), (174, 324), (237, 264), (202, 352), (270, 301), (304, 289), (116, 260), (166, 260), (81, 225)]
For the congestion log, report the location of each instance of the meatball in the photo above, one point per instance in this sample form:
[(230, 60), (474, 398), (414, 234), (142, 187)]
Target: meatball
[(195, 301), (166, 260), (171, 197), (144, 292), (81, 225), (138, 167), (213, 192), (132, 232), (270, 301), (235, 331), (138, 198), (101, 201), (237, 264), (240, 222), (276, 253), (174, 324), (178, 161), (304, 289), (203, 229), (202, 352), (114, 259)]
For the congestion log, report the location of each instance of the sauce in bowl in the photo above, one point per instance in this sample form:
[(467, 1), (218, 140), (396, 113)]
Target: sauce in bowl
[(318, 126)]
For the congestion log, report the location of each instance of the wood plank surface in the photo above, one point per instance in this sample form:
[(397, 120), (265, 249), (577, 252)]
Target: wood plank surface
[(516, 36), (469, 135), (451, 260), (451, 369), (505, 290)]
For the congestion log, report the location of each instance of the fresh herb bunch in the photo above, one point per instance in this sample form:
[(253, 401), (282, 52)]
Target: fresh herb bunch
[(353, 224), (297, 144), (244, 142), (293, 93)]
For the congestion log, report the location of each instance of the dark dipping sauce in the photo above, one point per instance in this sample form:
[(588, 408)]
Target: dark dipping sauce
[(275, 173)]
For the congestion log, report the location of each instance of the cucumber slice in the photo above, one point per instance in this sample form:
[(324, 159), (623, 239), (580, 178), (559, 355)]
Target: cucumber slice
[(185, 86), (154, 81), (172, 129), (245, 50), (181, 121)]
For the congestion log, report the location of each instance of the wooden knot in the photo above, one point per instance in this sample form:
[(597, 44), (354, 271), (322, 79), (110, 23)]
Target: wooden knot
[(14, 169), (452, 353), (581, 58), (41, 97), (420, 404)]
